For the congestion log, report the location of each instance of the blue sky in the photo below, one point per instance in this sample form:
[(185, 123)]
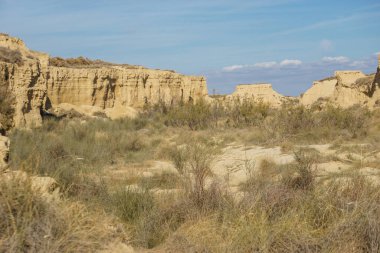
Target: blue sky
[(289, 43)]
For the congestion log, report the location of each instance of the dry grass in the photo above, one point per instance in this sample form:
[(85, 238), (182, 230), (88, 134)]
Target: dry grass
[(30, 223), (273, 217), (82, 62), (282, 209), (290, 123)]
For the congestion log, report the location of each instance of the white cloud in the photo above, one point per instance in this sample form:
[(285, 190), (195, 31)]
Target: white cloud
[(263, 65), (358, 64), (336, 59), (290, 63), (326, 45), (233, 68), (377, 53), (268, 64)]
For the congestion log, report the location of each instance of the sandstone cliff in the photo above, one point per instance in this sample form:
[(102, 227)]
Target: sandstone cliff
[(39, 86), (345, 89)]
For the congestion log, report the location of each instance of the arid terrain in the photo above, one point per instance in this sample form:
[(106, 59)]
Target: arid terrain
[(102, 157)]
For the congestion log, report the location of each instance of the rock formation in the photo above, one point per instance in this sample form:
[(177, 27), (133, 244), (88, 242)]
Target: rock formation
[(345, 89), (262, 92), (39, 86)]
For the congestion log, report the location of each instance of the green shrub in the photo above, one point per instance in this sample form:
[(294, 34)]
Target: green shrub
[(130, 204), (247, 113), (195, 116), (155, 226), (300, 123), (354, 119)]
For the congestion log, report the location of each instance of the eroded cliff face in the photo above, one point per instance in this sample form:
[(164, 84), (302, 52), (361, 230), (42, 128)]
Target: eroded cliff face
[(118, 86), (38, 86), (345, 89), (27, 84)]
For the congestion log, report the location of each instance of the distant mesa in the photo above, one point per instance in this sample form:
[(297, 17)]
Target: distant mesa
[(258, 92), (52, 85)]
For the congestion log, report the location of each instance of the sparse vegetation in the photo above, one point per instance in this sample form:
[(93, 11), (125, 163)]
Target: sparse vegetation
[(294, 122), (280, 208), (82, 62)]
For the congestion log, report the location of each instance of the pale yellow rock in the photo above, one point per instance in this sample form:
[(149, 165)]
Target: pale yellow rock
[(262, 92), (346, 93), (348, 77), (346, 89), (118, 112), (346, 97), (85, 110), (323, 89), (116, 85), (47, 187)]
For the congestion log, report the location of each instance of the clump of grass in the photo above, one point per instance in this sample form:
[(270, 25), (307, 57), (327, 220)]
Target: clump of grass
[(277, 217), (68, 150), (130, 204), (298, 123), (195, 116), (247, 113), (304, 172), (31, 223)]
